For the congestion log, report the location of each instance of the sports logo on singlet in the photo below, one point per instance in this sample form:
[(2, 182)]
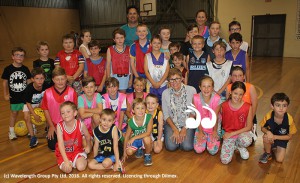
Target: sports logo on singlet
[(242, 118), (66, 97), (197, 67), (192, 60), (18, 81), (283, 131)]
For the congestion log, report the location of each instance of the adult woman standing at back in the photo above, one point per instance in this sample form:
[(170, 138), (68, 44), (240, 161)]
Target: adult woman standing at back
[(201, 19)]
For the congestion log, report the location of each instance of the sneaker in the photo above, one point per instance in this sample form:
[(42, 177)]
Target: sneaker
[(33, 142), (148, 160), (264, 158), (243, 152), (121, 168), (139, 153), (12, 136), (254, 133)]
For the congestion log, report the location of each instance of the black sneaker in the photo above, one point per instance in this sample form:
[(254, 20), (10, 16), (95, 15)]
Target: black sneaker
[(33, 142), (264, 158)]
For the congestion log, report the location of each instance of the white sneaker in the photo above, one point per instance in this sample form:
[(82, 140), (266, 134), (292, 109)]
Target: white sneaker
[(254, 133), (243, 152), (12, 136)]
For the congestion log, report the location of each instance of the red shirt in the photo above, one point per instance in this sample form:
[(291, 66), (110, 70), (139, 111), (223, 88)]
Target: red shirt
[(234, 119), (72, 139), (96, 71), (120, 61), (69, 61), (140, 57)]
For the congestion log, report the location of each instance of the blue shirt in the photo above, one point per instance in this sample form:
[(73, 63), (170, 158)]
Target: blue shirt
[(131, 34)]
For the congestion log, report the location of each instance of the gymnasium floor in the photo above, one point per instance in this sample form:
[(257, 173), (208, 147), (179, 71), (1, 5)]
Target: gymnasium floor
[(19, 163)]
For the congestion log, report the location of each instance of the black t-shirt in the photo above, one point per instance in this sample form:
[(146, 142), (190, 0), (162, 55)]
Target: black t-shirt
[(33, 96), (17, 82), (186, 47), (48, 67)]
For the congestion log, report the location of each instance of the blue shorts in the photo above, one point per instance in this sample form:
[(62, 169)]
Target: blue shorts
[(280, 143), (142, 75), (138, 143), (158, 92), (101, 158), (123, 81)]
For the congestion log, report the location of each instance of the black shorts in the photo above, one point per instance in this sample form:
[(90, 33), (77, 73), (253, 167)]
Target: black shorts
[(280, 143)]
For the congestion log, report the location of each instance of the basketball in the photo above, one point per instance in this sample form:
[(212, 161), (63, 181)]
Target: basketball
[(21, 128), (41, 114)]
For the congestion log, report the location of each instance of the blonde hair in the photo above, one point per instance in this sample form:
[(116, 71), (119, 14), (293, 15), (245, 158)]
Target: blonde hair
[(138, 101)]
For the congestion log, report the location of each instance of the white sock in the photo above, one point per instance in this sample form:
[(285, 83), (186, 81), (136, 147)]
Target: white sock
[(11, 129)]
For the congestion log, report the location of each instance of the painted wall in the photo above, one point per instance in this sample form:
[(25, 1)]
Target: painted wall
[(243, 10), (24, 26)]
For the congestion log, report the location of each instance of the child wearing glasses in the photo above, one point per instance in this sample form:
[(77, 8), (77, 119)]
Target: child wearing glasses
[(15, 78)]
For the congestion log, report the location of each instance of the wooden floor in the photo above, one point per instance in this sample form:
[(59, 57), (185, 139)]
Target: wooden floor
[(269, 75)]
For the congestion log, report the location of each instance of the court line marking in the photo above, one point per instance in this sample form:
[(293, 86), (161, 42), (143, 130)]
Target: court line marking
[(17, 155), (260, 92)]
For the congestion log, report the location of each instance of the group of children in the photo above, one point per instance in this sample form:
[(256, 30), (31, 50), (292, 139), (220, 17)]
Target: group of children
[(117, 124)]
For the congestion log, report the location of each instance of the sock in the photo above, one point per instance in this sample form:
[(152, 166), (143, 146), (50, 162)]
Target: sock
[(11, 129)]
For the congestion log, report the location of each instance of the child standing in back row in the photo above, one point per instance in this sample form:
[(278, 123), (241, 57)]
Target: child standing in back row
[(165, 34), (156, 68), (196, 61), (239, 57), (15, 77), (138, 50), (46, 63), (237, 124), (95, 66), (219, 69), (235, 26), (72, 61), (214, 31), (85, 39), (118, 61)]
